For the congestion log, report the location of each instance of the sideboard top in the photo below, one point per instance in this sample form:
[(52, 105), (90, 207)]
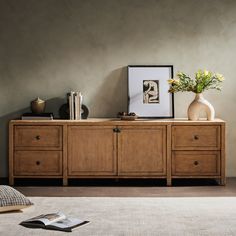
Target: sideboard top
[(117, 121)]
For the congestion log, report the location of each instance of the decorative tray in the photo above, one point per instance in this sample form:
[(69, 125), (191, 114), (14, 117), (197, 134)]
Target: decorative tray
[(128, 117)]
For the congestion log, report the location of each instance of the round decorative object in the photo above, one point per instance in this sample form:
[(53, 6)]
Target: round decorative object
[(65, 114), (64, 111), (127, 116), (85, 112), (38, 106), (200, 104)]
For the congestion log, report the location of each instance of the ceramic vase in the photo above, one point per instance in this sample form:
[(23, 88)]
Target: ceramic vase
[(38, 106), (198, 105)]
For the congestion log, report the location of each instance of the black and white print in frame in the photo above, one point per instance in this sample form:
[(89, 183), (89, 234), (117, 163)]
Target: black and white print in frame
[(148, 91)]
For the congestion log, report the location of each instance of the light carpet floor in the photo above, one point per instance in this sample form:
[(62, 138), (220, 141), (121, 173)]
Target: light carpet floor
[(132, 216)]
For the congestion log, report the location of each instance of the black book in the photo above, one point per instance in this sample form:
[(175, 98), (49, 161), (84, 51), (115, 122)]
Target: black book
[(33, 116), (53, 221)]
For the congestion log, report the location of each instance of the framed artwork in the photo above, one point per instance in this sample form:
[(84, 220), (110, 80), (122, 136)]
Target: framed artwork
[(148, 91)]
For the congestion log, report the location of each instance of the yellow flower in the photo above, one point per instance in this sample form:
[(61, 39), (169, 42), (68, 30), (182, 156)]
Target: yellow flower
[(170, 81), (179, 74), (173, 81), (220, 77), (206, 72)]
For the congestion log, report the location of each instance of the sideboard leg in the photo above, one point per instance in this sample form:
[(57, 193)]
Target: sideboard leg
[(222, 181), (168, 154), (169, 182), (65, 182), (11, 181)]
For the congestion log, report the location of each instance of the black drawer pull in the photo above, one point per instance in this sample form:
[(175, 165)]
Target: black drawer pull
[(116, 130), (195, 163), (37, 137), (37, 163), (196, 137)]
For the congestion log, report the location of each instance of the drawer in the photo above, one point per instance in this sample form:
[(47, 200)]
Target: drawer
[(196, 137), (38, 137), (195, 163), (36, 163)]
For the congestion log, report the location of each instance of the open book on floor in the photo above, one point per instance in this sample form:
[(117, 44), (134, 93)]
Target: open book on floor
[(54, 221)]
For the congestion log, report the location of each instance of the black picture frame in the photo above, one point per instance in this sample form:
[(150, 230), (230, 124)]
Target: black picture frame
[(158, 76)]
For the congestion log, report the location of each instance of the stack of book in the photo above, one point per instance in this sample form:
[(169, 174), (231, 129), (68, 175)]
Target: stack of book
[(33, 116), (75, 105)]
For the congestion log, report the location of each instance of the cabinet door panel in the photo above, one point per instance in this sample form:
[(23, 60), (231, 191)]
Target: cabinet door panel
[(91, 150), (142, 151)]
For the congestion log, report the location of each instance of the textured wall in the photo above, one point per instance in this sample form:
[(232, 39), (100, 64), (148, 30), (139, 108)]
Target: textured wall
[(48, 47)]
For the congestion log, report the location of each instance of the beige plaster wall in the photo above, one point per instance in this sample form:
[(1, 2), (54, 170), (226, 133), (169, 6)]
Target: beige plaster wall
[(48, 47)]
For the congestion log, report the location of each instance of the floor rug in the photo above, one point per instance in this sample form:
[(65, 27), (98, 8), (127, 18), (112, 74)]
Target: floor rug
[(131, 216)]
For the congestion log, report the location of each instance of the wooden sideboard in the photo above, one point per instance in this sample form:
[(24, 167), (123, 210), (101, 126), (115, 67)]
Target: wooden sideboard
[(111, 148)]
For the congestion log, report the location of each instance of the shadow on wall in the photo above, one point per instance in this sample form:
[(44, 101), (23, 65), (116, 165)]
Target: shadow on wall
[(111, 97), (4, 121), (52, 105)]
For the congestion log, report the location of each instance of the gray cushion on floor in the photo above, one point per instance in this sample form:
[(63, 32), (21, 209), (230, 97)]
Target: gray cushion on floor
[(12, 200)]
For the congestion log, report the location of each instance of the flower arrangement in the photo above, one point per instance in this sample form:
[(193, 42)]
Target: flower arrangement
[(203, 80)]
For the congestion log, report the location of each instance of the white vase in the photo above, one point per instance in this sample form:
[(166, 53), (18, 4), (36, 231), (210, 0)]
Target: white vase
[(198, 105)]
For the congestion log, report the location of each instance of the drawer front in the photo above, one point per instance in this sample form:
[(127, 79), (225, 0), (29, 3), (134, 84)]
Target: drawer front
[(196, 137), (37, 163), (200, 163), (38, 137)]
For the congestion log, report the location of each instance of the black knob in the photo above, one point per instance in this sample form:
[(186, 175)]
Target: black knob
[(37, 163), (195, 163), (37, 137), (196, 137), (116, 130)]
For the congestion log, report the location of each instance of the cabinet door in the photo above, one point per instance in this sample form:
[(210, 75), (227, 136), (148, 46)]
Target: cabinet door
[(142, 151), (91, 150)]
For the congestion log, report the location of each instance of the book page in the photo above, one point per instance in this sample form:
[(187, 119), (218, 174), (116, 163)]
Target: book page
[(47, 219), (68, 223)]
